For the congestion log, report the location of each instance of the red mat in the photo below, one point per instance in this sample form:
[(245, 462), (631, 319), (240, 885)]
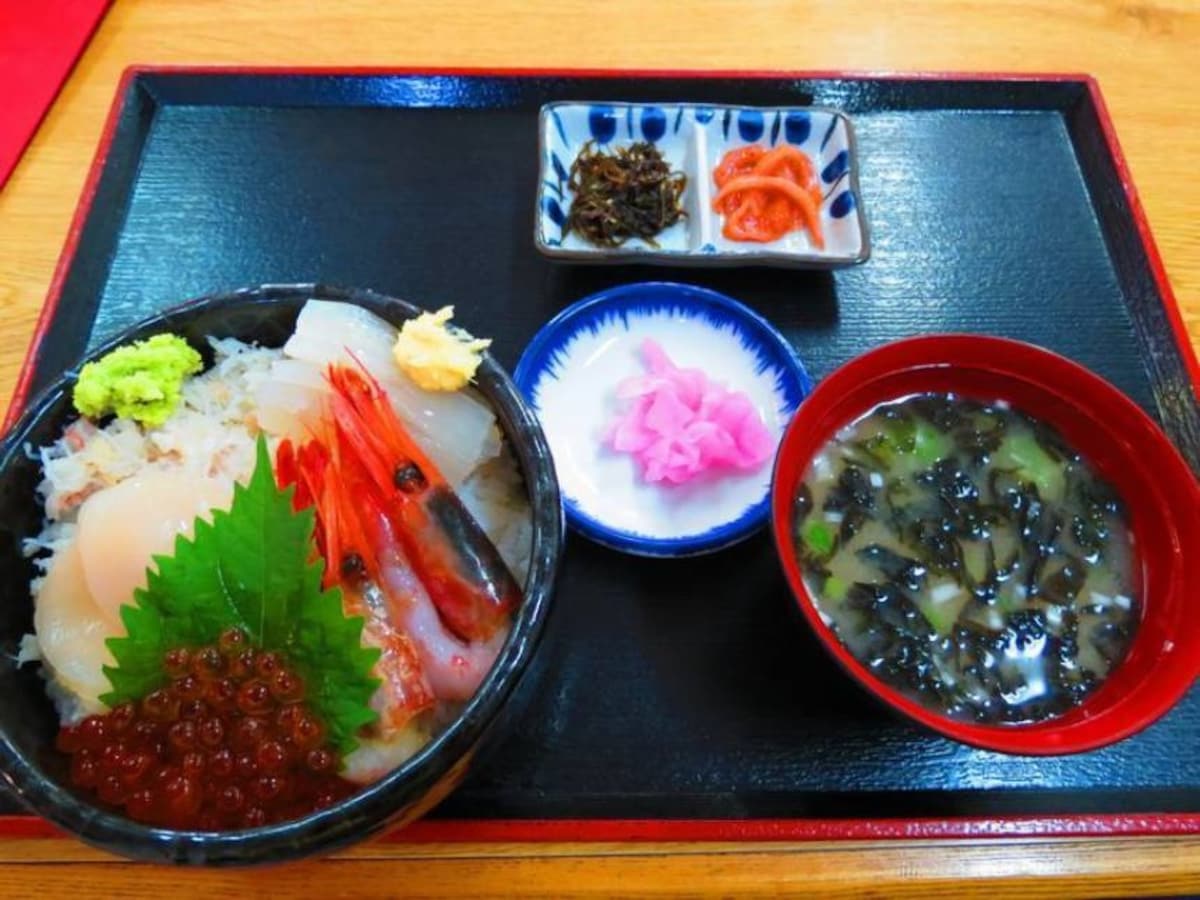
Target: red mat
[(39, 43)]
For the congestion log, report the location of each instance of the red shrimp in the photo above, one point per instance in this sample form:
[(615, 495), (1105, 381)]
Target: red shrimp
[(459, 566), (375, 510), (350, 564), (455, 668)]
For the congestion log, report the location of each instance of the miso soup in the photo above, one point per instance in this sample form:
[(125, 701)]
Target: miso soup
[(969, 557)]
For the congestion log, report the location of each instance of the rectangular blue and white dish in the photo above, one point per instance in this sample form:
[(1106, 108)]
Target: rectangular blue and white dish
[(693, 139)]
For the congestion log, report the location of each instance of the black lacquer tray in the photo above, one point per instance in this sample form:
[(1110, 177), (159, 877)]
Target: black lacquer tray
[(681, 698)]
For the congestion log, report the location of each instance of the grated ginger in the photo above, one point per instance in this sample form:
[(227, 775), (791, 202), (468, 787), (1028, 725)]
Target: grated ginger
[(438, 357)]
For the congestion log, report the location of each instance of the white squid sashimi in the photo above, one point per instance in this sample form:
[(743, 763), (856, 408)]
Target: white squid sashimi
[(375, 757), (291, 399), (122, 528), (495, 496), (456, 429), (71, 631)]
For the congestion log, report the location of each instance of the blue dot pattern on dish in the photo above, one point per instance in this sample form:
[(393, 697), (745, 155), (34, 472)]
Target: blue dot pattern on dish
[(602, 123), (654, 123), (836, 168), (554, 211), (750, 124), (568, 126), (797, 126)]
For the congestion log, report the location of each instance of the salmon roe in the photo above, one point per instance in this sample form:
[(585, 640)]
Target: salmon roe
[(227, 743)]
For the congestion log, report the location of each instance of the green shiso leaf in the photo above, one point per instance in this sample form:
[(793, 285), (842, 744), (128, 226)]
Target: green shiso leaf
[(252, 567)]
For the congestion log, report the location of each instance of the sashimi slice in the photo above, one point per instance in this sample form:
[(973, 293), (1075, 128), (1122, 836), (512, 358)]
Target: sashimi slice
[(291, 399), (376, 757), (122, 528), (71, 631), (456, 429)]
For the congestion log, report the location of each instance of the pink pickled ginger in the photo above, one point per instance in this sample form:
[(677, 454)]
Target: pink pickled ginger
[(680, 425)]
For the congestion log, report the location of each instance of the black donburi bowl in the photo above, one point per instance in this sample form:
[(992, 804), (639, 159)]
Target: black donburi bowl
[(37, 773)]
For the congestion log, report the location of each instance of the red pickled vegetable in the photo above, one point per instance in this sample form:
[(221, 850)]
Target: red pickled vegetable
[(764, 194)]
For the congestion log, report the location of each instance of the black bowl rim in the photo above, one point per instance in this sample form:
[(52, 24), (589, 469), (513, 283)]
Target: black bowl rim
[(374, 807)]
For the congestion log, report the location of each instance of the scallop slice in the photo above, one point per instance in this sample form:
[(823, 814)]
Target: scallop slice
[(122, 528), (71, 630)]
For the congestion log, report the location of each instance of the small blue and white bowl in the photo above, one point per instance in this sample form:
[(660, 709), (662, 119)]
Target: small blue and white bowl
[(693, 139), (570, 372)]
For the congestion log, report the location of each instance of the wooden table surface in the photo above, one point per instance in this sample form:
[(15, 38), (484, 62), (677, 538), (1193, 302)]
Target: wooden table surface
[(1142, 53)]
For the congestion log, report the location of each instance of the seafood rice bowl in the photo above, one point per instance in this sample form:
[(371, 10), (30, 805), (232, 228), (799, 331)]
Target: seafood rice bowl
[(265, 583)]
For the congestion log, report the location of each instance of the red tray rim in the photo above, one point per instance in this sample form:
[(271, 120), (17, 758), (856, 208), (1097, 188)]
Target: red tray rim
[(538, 831), (650, 830)]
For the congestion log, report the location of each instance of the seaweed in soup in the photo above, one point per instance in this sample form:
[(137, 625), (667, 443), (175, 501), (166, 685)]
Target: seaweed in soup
[(968, 556)]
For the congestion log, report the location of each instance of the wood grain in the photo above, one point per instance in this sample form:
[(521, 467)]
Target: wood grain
[(1052, 869), (1141, 53)]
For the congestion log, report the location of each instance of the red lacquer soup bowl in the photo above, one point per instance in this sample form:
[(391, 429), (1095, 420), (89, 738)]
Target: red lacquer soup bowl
[(1125, 447)]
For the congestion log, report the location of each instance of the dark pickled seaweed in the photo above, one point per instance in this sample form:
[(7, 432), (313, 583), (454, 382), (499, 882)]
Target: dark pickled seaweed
[(630, 193), (969, 557)]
